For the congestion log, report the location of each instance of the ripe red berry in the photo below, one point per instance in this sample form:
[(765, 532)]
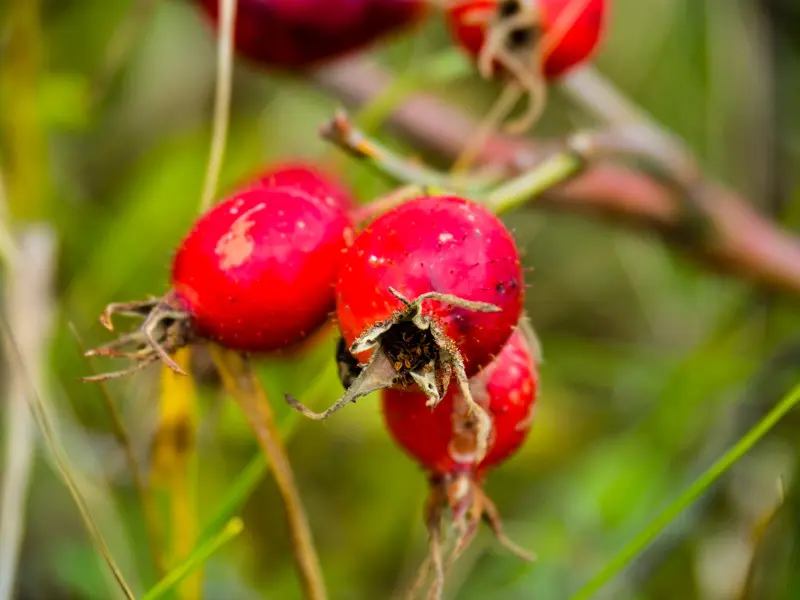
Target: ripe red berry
[(518, 34), (293, 34), (430, 289), (444, 442), (441, 439), (255, 274)]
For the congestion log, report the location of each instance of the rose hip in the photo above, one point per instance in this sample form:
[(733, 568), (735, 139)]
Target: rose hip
[(444, 441), (255, 274), (429, 290)]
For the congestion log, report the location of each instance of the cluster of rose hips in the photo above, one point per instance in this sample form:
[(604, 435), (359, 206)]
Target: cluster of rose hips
[(428, 296), (428, 300)]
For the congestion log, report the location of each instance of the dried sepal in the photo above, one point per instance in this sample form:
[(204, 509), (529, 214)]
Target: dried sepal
[(463, 496), (408, 348), (165, 328)]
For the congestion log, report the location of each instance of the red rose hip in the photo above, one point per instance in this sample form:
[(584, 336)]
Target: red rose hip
[(442, 440), (295, 34), (255, 274), (430, 289), (257, 271)]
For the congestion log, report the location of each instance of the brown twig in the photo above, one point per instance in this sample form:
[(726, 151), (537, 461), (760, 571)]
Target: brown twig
[(738, 240), (241, 382)]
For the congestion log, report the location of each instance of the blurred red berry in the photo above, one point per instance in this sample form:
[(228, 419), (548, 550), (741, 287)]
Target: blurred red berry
[(429, 290), (256, 273), (308, 178), (441, 441), (294, 34), (566, 32)]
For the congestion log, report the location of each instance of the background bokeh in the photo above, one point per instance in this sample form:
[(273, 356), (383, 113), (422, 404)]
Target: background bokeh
[(653, 367)]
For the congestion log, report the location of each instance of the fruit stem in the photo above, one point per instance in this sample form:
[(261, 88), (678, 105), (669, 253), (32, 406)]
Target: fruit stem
[(556, 169), (242, 383), (341, 132), (520, 190)]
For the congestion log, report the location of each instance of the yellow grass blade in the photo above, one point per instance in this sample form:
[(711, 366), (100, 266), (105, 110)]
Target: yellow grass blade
[(175, 466)]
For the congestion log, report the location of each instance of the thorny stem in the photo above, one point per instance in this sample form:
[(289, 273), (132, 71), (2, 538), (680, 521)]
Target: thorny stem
[(242, 383), (146, 500)]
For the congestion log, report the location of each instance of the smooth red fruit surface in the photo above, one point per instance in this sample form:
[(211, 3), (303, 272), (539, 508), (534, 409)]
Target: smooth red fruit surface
[(441, 244), (310, 179), (293, 34), (256, 273), (570, 38), (507, 388)]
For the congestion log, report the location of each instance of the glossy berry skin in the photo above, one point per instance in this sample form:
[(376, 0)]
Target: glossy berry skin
[(310, 179), (507, 387), (294, 34), (442, 244), (256, 273), (570, 46)]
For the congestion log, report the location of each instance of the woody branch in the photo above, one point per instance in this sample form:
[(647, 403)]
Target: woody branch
[(733, 239)]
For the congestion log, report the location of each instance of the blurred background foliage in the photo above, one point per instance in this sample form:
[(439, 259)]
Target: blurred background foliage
[(652, 366)]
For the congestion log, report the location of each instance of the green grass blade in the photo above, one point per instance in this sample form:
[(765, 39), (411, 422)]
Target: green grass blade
[(201, 554), (641, 541), (236, 496)]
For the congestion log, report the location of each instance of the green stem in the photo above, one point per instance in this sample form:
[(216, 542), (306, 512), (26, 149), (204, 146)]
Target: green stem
[(197, 558), (520, 190), (342, 133), (506, 196), (641, 541)]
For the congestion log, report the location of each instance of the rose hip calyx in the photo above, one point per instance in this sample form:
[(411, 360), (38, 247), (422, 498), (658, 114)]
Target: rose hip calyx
[(165, 328), (410, 348), (464, 496)]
